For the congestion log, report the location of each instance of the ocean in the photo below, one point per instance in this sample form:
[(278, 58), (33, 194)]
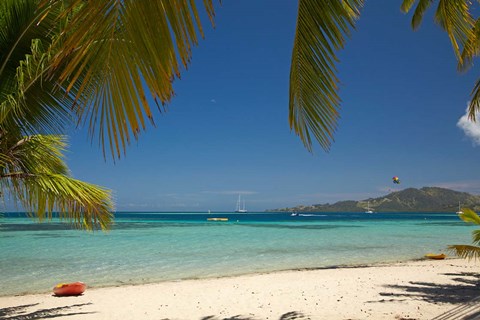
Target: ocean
[(152, 247)]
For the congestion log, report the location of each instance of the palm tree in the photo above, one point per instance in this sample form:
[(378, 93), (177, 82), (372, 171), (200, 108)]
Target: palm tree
[(469, 251), (32, 113), (84, 62)]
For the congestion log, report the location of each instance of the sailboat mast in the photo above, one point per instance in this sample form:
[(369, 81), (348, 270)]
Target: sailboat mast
[(238, 203)]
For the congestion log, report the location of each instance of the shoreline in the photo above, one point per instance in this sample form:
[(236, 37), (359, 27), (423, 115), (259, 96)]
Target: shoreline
[(418, 289), (120, 284)]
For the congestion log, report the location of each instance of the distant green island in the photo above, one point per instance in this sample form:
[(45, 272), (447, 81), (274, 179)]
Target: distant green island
[(427, 199)]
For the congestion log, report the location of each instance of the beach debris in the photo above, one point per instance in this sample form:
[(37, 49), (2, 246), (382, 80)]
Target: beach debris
[(396, 180)]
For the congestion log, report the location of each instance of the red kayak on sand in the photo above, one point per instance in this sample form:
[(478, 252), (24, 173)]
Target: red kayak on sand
[(69, 289)]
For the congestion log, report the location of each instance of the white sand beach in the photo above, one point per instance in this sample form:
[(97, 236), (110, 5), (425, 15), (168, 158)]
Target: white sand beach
[(423, 289)]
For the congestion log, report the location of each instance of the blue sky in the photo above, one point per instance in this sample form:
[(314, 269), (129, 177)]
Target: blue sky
[(226, 132)]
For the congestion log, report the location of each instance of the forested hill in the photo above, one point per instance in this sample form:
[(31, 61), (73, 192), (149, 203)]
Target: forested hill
[(427, 199)]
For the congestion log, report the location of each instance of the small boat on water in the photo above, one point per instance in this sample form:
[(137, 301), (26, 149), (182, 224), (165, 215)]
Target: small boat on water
[(69, 289), (435, 256), (459, 209), (239, 208), (217, 219), (368, 208)]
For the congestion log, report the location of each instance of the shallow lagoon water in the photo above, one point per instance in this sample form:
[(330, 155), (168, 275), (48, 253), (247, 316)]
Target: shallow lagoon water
[(152, 247)]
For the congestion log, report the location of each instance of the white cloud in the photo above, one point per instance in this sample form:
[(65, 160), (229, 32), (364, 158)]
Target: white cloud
[(213, 101), (470, 128)]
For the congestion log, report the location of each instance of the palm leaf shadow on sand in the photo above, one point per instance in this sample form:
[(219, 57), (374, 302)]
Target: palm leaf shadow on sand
[(463, 290), (464, 293), (293, 315), (465, 311), (20, 313)]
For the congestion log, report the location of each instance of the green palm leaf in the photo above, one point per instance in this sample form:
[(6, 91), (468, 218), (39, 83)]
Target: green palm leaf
[(466, 251), (15, 17), (35, 105), (85, 205), (420, 10), (476, 236), (115, 54), (471, 48), (34, 174), (455, 18), (474, 105), (469, 216), (33, 154), (452, 15), (314, 101), (26, 99)]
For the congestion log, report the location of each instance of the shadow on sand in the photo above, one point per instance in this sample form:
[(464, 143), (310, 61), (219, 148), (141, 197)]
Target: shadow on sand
[(464, 293), (293, 315), (20, 313), (463, 290)]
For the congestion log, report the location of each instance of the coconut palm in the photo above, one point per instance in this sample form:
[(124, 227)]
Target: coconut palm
[(469, 251), (32, 113), (64, 62)]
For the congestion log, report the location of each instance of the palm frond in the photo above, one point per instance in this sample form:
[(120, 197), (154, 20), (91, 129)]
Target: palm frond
[(115, 54), (33, 172), (471, 48), (19, 24), (33, 154), (26, 99), (407, 5), (85, 205), (476, 236), (314, 101), (420, 10), (33, 104), (474, 106), (469, 216), (455, 18), (466, 251), (15, 19)]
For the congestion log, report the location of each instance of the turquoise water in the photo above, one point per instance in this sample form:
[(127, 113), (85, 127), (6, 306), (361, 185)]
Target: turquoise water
[(152, 247)]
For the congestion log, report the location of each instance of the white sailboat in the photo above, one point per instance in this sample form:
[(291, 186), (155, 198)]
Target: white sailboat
[(239, 208), (368, 208), (459, 209)]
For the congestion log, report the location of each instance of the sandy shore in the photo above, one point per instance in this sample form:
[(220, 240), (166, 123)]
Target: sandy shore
[(412, 290)]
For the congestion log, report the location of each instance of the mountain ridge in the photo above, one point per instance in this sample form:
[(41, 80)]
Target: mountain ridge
[(426, 199)]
